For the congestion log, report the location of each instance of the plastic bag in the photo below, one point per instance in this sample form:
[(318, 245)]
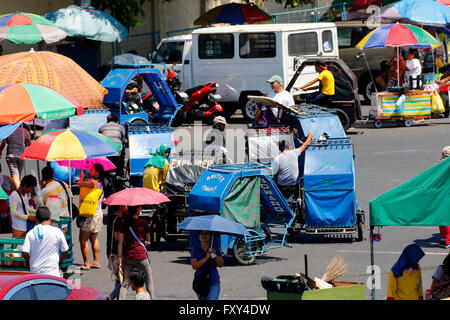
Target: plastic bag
[(400, 104), (437, 105), (89, 201)]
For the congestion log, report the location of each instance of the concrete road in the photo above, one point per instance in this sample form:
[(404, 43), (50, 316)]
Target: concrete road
[(385, 158)]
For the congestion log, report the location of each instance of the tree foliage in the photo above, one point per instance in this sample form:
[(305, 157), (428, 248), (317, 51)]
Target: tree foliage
[(127, 12)]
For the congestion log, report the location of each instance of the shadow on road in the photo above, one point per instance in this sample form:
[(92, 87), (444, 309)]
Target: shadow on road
[(432, 242)]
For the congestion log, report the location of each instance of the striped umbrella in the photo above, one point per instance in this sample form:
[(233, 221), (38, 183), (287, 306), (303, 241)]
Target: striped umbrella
[(28, 28), (69, 144), (24, 102), (52, 70)]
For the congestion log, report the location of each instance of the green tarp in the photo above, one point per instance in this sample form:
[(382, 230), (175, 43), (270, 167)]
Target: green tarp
[(242, 203), (422, 201)]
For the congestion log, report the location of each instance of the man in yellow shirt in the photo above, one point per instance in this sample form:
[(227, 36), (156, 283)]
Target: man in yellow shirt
[(405, 277), (156, 169), (326, 85)]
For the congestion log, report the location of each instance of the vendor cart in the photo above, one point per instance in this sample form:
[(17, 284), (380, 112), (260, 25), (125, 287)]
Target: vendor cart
[(385, 106), (11, 249)]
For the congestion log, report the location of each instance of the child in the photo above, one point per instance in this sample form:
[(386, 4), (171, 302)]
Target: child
[(137, 281)]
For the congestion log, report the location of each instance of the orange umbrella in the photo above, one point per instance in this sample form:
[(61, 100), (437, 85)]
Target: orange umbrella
[(52, 70)]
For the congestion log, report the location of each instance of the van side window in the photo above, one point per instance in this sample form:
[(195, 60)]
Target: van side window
[(171, 52), (303, 44), (216, 46), (257, 45), (327, 41)]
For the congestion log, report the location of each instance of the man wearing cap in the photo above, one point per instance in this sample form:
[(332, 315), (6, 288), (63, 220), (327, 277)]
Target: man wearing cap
[(216, 136), (279, 95), (326, 85)]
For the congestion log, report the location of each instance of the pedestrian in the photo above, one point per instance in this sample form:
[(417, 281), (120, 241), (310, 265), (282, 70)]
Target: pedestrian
[(134, 232), (206, 258), (405, 277), (444, 231), (112, 239), (326, 85), (137, 282), (5, 215), (22, 215), (440, 287), (399, 66), (156, 169), (113, 130), (45, 246), (216, 136), (413, 68), (280, 95), (55, 190), (17, 142), (92, 225)]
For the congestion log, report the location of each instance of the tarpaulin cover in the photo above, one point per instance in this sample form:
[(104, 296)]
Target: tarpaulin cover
[(90, 121), (329, 185), (117, 80), (318, 124), (213, 188), (242, 203), (422, 201)]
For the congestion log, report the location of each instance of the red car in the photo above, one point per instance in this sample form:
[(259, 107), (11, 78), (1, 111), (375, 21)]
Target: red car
[(15, 285)]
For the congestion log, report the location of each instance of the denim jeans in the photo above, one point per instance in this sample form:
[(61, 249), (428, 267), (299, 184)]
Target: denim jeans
[(115, 293), (317, 98), (213, 293)]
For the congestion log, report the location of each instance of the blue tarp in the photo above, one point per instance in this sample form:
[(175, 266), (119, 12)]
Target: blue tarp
[(329, 184), (209, 193), (117, 80)]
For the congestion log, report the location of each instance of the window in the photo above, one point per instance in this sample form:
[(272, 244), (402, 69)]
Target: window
[(301, 44), (257, 45), (327, 41), (22, 294), (171, 52), (50, 291), (215, 46), (349, 37)]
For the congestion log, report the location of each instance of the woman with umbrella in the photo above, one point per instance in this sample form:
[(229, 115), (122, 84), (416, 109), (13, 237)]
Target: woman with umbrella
[(206, 257)]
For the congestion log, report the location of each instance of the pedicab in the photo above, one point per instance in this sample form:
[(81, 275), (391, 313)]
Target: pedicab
[(324, 201), (244, 193)]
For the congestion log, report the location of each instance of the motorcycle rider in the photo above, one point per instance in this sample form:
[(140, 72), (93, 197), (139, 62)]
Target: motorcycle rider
[(133, 96)]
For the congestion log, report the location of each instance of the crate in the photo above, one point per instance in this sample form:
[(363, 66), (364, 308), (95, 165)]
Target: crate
[(13, 246)]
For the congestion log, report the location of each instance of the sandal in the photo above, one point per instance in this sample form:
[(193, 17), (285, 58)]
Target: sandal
[(93, 266), (83, 267)]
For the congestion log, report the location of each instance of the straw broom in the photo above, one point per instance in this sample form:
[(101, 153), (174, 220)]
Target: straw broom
[(335, 269)]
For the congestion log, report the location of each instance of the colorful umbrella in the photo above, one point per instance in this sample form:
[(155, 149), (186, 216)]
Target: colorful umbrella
[(87, 164), (136, 197), (52, 70), (233, 13), (70, 144), (24, 102), (425, 12), (89, 23), (28, 28), (398, 35), (3, 194)]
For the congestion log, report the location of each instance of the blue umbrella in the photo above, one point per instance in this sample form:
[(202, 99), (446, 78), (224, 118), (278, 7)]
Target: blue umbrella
[(89, 23), (214, 223), (130, 60), (426, 12)]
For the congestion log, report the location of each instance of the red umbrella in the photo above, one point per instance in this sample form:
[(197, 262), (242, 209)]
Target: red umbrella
[(136, 197)]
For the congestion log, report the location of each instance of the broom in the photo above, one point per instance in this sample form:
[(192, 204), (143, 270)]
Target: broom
[(335, 269)]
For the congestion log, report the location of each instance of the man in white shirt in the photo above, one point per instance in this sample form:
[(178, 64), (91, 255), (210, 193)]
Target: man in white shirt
[(43, 244), (279, 95), (413, 67), (285, 165)]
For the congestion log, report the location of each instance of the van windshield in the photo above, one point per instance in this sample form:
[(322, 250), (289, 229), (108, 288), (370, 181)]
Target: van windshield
[(171, 52)]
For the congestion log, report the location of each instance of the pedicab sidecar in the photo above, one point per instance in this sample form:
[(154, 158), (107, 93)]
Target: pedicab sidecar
[(247, 194)]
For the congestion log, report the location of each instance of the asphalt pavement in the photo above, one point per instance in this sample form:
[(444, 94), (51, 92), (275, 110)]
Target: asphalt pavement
[(384, 158)]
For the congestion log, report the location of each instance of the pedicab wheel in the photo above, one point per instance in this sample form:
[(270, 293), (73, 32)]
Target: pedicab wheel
[(343, 117), (241, 253), (378, 123), (407, 123), (139, 122)]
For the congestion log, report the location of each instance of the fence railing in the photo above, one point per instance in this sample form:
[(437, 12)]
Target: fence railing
[(322, 14)]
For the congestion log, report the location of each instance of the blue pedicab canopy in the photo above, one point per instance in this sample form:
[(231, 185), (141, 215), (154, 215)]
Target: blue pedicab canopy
[(117, 80), (237, 191)]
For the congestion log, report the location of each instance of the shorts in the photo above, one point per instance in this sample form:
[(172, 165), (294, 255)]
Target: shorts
[(15, 165), (94, 224)]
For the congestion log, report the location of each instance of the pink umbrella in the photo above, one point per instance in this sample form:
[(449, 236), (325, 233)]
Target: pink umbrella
[(136, 197), (87, 164)]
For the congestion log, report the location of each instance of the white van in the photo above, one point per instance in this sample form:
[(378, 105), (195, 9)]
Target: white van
[(242, 58)]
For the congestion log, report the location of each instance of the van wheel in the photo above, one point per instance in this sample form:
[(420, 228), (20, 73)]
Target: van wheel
[(249, 110)]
